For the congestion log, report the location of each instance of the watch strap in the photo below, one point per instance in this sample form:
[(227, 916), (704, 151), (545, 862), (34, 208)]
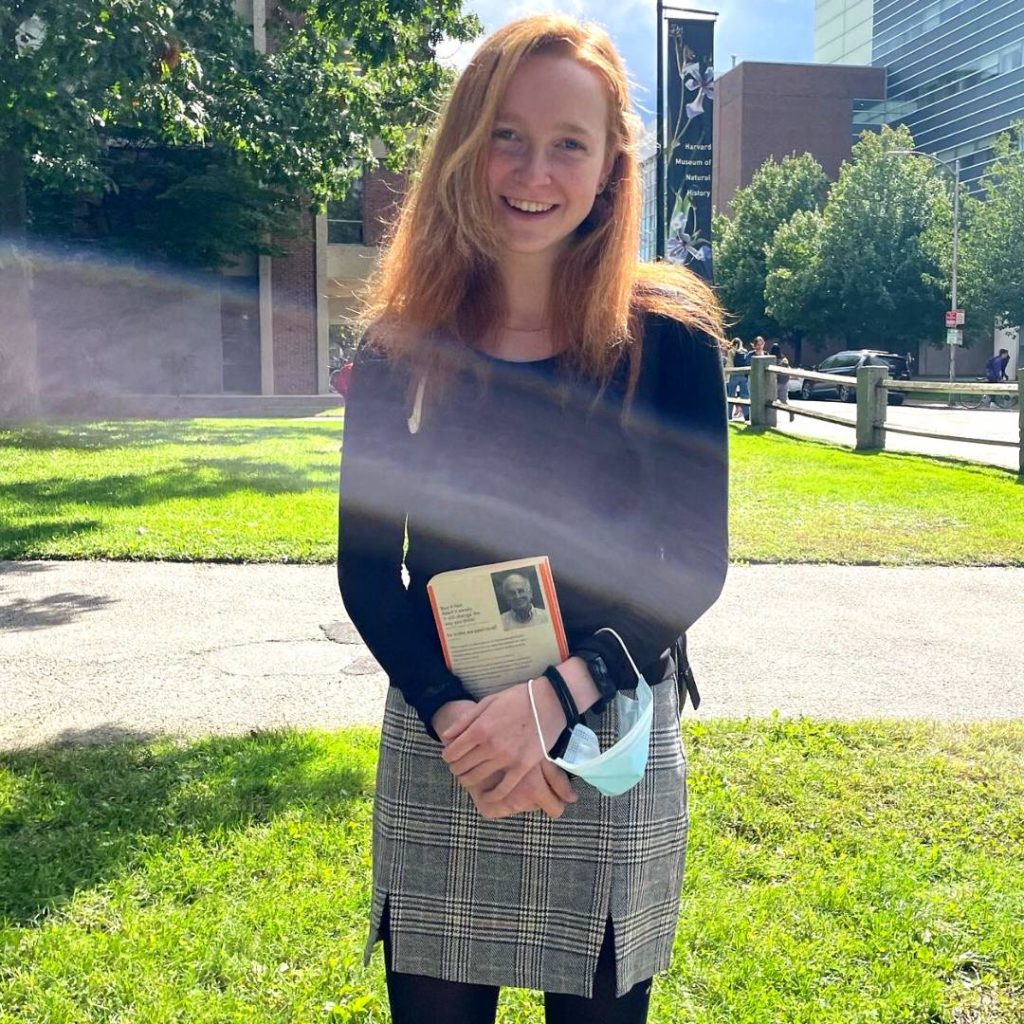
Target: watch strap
[(598, 669)]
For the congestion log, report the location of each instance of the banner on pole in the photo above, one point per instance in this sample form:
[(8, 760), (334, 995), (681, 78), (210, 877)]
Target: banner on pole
[(688, 140)]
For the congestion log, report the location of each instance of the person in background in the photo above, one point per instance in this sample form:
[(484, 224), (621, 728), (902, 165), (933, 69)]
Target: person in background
[(782, 379), (995, 368), (739, 383)]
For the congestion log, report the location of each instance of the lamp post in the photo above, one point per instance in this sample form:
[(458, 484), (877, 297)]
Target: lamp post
[(954, 172)]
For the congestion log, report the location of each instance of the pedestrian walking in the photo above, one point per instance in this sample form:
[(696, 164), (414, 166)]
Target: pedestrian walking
[(526, 387)]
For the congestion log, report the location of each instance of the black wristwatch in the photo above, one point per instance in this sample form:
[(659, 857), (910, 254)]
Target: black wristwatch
[(598, 670)]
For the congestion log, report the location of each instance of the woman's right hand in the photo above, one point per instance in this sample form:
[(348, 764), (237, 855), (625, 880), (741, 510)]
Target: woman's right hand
[(544, 788)]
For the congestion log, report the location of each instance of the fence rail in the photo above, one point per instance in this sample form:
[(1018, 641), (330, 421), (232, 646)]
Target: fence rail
[(872, 387)]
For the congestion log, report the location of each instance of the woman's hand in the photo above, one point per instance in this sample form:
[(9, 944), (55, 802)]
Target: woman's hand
[(456, 714), (502, 738), (544, 788)]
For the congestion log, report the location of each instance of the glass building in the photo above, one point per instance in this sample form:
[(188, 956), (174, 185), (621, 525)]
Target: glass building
[(842, 31), (955, 69)]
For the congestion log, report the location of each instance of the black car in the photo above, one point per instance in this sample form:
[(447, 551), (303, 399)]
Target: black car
[(846, 364)]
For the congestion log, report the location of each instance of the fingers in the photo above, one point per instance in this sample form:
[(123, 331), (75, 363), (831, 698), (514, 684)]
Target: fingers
[(475, 777), (513, 776), (559, 782), (455, 735), (546, 797), (468, 761), (535, 790), (453, 717)]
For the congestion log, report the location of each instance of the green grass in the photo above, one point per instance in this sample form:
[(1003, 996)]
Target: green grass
[(837, 874), (183, 490), (241, 490), (805, 501)]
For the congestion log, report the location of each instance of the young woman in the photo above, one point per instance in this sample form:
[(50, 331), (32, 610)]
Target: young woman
[(527, 388)]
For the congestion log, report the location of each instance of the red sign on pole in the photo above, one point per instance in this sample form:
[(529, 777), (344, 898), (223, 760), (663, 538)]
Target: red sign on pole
[(954, 318)]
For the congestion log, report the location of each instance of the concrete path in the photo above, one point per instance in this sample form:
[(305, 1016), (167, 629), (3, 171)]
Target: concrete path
[(95, 650), (998, 424)]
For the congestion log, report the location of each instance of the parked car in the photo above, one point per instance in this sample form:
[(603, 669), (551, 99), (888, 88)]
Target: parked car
[(846, 364)]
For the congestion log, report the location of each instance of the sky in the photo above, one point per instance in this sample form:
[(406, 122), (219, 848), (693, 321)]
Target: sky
[(769, 30)]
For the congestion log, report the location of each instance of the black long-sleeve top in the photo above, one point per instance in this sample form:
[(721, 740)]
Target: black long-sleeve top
[(517, 460)]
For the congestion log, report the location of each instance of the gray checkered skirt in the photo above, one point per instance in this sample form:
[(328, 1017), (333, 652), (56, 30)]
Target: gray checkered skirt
[(524, 901)]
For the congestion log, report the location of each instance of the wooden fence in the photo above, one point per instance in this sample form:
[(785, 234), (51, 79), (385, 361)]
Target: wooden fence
[(872, 387)]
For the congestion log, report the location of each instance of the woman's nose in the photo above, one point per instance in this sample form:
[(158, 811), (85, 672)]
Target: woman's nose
[(535, 168)]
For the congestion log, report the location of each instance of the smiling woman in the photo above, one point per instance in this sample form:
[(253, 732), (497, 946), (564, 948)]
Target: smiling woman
[(527, 388)]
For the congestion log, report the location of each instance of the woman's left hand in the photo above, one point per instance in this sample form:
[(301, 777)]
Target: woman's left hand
[(502, 737)]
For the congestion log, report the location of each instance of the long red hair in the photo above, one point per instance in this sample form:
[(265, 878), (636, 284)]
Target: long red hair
[(438, 271)]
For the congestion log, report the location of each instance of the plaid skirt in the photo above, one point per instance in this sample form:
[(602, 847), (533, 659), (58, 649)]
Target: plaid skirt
[(524, 901)]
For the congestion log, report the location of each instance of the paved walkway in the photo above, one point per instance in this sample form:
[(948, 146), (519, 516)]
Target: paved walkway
[(98, 650), (998, 424)]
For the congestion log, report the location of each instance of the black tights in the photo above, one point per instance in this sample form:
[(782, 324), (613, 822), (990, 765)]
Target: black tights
[(415, 998)]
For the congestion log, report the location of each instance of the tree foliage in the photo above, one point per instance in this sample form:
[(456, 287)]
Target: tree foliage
[(775, 193), (885, 255), (992, 256), (792, 262), (303, 116), (93, 92)]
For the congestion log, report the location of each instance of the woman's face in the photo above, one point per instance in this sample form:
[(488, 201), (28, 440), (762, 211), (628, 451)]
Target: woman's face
[(548, 153)]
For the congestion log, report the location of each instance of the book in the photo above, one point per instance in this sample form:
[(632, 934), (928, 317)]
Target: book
[(499, 624)]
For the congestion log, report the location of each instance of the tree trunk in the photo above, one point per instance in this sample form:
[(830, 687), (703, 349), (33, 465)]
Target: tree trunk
[(19, 376)]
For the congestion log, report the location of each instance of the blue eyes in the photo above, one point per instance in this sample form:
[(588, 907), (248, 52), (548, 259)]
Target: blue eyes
[(509, 135)]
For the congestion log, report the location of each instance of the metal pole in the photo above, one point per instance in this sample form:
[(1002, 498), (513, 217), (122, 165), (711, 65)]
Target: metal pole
[(659, 173), (956, 256)]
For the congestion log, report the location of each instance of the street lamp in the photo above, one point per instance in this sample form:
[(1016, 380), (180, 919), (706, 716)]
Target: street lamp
[(954, 172)]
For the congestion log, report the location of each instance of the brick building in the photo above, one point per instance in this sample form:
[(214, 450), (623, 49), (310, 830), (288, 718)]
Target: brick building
[(767, 111)]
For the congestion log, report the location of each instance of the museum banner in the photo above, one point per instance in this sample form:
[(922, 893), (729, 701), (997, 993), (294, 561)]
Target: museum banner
[(687, 141)]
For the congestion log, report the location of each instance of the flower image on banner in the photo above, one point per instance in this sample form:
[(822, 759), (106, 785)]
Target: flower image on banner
[(688, 142)]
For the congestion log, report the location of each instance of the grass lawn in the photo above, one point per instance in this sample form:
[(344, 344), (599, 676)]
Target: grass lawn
[(259, 490), (837, 874)]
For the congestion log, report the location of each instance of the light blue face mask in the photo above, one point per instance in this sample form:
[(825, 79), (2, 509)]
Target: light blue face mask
[(622, 765)]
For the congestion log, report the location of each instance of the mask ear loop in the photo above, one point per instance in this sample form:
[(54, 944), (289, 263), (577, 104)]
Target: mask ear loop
[(622, 644), (536, 720), (416, 415)]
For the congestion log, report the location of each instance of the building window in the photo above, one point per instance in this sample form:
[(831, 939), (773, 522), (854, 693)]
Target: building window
[(345, 217), (1010, 60)]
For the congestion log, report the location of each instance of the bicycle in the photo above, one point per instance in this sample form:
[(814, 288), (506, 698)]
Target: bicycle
[(977, 399)]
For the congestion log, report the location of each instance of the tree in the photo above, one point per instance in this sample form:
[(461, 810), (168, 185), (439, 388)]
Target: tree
[(80, 76), (792, 292), (884, 258), (992, 254), (775, 193)]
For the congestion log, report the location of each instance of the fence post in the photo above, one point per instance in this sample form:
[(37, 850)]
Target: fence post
[(763, 391), (1020, 421), (872, 400)]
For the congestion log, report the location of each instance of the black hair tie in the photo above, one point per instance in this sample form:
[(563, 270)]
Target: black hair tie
[(564, 694)]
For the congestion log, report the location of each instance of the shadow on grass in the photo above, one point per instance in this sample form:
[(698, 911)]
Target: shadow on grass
[(195, 478), (148, 433), (20, 541), (76, 815)]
